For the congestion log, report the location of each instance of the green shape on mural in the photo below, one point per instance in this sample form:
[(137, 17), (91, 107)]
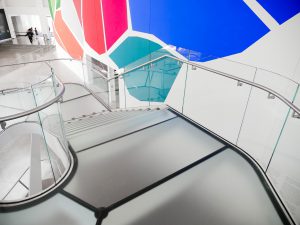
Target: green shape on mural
[(57, 4), (51, 4), (133, 49)]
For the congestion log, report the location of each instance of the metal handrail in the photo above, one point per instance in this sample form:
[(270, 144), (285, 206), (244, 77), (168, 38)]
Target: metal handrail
[(38, 61), (9, 90), (57, 59), (241, 80), (38, 108)]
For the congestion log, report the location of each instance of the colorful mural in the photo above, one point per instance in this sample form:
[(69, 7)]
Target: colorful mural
[(70, 44), (200, 30), (130, 32)]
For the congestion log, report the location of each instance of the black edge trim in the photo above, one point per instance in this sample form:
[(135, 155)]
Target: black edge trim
[(78, 200), (72, 99), (101, 214), (124, 135), (268, 186), (165, 179), (37, 200), (92, 93)]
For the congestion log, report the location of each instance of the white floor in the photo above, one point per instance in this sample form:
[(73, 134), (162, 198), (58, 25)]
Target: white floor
[(24, 40)]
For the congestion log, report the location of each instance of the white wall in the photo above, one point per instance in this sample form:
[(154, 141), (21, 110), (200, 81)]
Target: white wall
[(23, 22), (220, 105), (277, 51), (284, 168)]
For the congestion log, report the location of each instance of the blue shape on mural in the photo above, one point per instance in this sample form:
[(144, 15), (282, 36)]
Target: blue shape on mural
[(281, 10), (152, 83), (218, 28), (195, 56)]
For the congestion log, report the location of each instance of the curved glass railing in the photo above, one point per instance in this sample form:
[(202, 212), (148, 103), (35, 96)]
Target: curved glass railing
[(252, 110), (35, 158)]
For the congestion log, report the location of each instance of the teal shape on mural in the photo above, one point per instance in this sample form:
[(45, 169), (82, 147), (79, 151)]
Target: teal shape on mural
[(152, 83), (132, 50)]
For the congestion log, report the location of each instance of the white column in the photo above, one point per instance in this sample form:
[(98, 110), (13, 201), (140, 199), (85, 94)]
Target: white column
[(43, 19), (10, 25), (44, 25)]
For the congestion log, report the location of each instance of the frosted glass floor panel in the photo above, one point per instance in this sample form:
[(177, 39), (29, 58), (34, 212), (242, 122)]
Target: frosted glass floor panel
[(222, 190), (117, 169), (82, 106), (101, 134), (57, 210)]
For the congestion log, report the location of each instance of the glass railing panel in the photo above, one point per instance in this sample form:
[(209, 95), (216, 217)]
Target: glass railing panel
[(284, 167), (9, 68), (137, 89), (97, 82), (13, 101), (159, 53), (69, 70), (44, 91), (265, 117), (151, 56), (114, 93), (230, 67), (175, 98), (33, 149), (157, 91), (25, 159), (41, 91), (15, 161), (45, 170), (52, 126), (122, 93), (138, 62), (163, 75), (26, 72), (74, 91), (215, 102)]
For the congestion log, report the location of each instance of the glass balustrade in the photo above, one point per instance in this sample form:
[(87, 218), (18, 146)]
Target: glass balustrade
[(34, 153), (248, 117), (245, 115)]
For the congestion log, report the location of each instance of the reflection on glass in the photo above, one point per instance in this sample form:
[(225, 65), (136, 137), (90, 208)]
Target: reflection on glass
[(33, 151)]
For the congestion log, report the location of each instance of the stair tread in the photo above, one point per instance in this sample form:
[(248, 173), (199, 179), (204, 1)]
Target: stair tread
[(122, 127)]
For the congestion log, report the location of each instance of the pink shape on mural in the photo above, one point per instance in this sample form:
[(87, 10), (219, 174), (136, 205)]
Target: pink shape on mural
[(115, 20), (93, 25)]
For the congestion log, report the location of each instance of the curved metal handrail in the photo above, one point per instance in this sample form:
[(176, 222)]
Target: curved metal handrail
[(241, 80), (9, 90), (48, 60), (38, 108), (38, 61)]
